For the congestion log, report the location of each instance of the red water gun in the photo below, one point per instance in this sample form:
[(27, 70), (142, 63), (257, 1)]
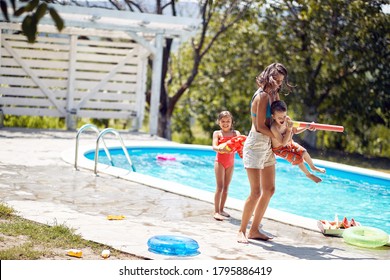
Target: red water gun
[(235, 144)]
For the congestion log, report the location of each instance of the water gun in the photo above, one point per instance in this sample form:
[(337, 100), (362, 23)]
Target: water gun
[(319, 126), (235, 144)]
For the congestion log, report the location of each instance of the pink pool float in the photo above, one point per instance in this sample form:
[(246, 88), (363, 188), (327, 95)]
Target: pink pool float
[(165, 157)]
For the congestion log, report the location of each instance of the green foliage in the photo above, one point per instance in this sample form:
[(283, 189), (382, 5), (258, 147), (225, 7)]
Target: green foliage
[(35, 10), (337, 53), (25, 251), (6, 211), (337, 56), (34, 122), (40, 122), (376, 140), (184, 125), (226, 79)]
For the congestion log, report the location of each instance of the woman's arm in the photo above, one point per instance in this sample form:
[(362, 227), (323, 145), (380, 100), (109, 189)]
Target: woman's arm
[(278, 137), (261, 111), (281, 139), (287, 136)]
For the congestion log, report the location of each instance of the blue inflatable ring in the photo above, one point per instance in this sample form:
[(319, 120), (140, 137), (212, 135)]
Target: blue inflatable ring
[(363, 236), (173, 245)]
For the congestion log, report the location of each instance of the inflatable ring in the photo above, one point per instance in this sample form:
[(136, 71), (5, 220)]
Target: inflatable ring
[(173, 245), (363, 236)]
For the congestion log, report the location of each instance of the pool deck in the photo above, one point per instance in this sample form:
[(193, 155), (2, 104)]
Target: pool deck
[(41, 186)]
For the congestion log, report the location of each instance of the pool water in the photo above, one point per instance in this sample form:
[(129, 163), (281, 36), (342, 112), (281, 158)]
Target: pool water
[(353, 195)]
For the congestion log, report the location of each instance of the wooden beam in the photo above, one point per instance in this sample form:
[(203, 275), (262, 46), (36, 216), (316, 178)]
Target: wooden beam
[(156, 86)]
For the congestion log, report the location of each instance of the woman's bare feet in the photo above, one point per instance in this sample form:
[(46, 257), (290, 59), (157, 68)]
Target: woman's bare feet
[(241, 238), (223, 213), (259, 236), (314, 178), (218, 217)]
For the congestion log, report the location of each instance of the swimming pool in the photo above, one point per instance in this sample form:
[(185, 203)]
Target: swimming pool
[(352, 192)]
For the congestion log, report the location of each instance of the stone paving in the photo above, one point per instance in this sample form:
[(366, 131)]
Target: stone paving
[(40, 186)]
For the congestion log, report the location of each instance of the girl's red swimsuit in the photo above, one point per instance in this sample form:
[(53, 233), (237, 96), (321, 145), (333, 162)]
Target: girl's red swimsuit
[(227, 160)]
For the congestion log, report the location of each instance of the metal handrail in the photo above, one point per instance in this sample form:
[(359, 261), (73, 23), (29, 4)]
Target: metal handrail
[(116, 133), (94, 128)]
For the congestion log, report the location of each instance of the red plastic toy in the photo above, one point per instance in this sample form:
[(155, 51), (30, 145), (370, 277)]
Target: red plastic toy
[(235, 144), (319, 126)]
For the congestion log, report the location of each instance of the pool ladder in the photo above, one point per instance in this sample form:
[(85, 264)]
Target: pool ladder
[(100, 136)]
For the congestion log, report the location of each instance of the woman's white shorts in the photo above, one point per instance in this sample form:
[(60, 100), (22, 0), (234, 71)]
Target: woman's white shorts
[(257, 152)]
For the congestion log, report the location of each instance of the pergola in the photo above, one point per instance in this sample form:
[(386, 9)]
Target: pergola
[(147, 30)]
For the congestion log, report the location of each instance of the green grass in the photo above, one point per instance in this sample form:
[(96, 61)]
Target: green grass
[(45, 122), (36, 241), (5, 211)]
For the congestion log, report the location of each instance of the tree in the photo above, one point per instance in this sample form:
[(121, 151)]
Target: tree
[(338, 52), (226, 78), (34, 10), (225, 14)]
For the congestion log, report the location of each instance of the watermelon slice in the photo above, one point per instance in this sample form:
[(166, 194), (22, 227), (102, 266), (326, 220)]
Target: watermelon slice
[(345, 223)]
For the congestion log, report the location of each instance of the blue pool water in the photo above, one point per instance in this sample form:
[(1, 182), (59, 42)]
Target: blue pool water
[(358, 196)]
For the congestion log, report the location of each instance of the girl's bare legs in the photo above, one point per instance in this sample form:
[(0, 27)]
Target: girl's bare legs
[(223, 177), (250, 203), (307, 158), (224, 195), (267, 183)]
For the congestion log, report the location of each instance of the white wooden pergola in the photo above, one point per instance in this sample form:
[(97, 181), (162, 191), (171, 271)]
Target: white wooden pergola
[(148, 31)]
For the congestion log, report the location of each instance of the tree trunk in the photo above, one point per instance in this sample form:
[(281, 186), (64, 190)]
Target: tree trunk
[(164, 126)]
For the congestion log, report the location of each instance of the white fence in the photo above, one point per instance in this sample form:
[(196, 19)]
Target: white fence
[(73, 74)]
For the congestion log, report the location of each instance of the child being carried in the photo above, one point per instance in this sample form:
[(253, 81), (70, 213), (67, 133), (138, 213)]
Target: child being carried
[(284, 146)]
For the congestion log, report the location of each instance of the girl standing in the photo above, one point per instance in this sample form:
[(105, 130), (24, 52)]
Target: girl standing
[(224, 163)]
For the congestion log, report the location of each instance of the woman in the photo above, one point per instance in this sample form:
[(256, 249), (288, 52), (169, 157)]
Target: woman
[(259, 160)]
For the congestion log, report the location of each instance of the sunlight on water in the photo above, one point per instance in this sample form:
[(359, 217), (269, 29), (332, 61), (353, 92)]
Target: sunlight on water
[(366, 199)]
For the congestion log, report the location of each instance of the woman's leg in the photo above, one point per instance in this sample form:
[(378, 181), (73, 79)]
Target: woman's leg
[(267, 179), (250, 203)]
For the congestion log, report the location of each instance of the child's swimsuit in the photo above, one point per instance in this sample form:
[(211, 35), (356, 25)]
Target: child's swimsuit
[(292, 152), (227, 160)]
